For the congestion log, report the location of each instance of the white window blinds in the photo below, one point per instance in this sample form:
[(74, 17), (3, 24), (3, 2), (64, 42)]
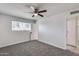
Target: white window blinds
[(21, 26)]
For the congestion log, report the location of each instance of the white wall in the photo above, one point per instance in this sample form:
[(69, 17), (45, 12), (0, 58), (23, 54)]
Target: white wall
[(34, 35), (7, 37), (52, 30)]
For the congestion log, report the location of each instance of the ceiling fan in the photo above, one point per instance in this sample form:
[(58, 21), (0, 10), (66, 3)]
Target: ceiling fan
[(36, 12)]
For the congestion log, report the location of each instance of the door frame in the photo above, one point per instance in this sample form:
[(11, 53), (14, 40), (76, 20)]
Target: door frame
[(77, 18)]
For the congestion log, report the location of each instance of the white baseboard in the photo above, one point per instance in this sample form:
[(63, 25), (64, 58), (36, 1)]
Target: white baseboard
[(53, 45)]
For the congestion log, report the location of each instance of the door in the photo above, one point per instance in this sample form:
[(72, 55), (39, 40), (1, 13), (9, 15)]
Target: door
[(71, 31)]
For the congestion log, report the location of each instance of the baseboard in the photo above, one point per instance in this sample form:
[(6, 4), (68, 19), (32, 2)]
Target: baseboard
[(11, 44), (71, 45), (52, 45)]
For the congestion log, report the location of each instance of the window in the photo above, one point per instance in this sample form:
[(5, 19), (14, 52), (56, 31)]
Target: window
[(21, 26)]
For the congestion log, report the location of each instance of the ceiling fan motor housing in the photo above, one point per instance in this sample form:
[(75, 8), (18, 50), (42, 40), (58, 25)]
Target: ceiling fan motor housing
[(36, 11)]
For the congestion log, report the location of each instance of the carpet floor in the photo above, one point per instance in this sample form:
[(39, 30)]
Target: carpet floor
[(34, 48)]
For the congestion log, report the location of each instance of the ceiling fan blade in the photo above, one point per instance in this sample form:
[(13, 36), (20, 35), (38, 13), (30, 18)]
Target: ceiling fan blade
[(29, 12), (33, 15), (42, 11), (32, 8), (40, 15)]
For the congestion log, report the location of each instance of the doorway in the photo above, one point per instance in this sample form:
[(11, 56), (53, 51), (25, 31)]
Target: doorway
[(71, 31), (73, 34)]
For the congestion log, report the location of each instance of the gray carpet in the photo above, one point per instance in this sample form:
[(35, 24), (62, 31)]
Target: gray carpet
[(34, 48)]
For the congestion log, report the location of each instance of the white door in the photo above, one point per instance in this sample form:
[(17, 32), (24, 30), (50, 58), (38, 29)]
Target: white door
[(71, 31)]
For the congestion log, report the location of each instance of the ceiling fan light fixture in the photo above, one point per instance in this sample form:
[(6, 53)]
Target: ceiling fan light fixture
[(35, 14), (36, 11)]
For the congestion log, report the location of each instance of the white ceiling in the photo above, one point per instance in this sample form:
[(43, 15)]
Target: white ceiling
[(22, 9)]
